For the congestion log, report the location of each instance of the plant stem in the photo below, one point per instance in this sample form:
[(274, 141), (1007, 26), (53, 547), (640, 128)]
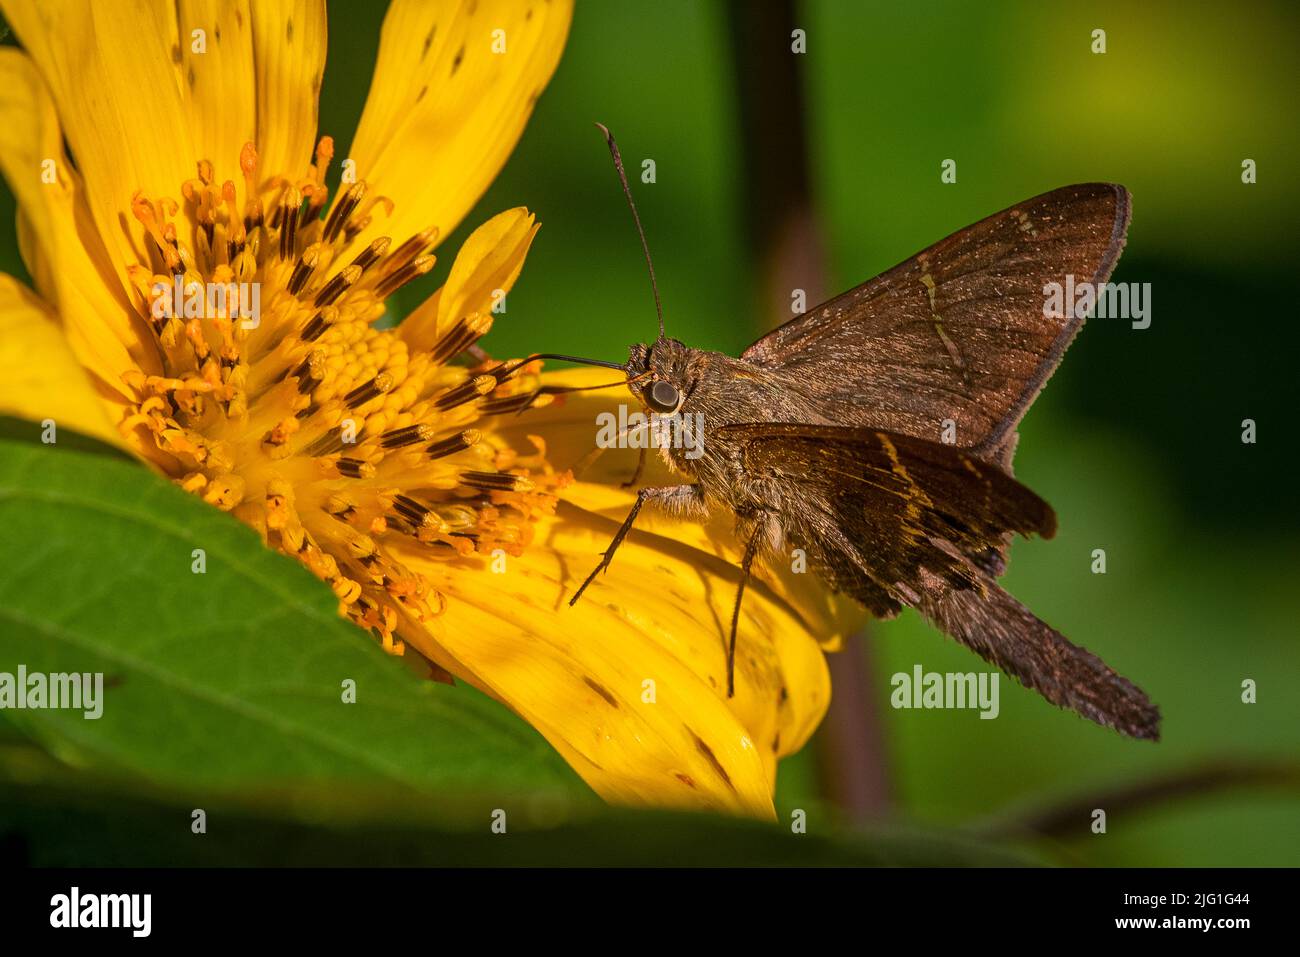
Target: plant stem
[(785, 244)]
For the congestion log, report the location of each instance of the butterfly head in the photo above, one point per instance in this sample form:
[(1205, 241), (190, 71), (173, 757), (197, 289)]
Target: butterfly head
[(657, 374)]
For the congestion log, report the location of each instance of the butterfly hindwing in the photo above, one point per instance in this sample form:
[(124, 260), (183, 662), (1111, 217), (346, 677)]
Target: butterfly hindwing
[(897, 521)]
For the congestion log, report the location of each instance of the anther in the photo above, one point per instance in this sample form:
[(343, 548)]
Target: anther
[(400, 438), (454, 444), (319, 323), (310, 372), (344, 208), (368, 390), (495, 481), (338, 285), (459, 338), (328, 444), (413, 247), (414, 512), (289, 223), (507, 404), (303, 269), (370, 255), (354, 468), (470, 389), (396, 280)]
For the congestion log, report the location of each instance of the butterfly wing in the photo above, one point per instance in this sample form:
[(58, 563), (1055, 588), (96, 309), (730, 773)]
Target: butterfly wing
[(956, 332), (897, 521)]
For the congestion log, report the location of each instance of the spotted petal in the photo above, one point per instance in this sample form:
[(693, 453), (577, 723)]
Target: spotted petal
[(110, 72), (453, 86), (58, 239), (657, 619)]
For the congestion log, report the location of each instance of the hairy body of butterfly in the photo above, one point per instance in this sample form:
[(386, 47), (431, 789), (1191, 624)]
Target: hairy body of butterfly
[(829, 434)]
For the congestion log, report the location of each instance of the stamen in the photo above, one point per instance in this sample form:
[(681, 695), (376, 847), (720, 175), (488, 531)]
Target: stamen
[(303, 269), (507, 404), (460, 337), (457, 443), (315, 189), (412, 248), (495, 481), (319, 323), (413, 511), (338, 285), (252, 203), (355, 468), (391, 283), (370, 255), (369, 390), (459, 395), (310, 372), (354, 227), (339, 507), (400, 438), (235, 242), (289, 222), (342, 210), (265, 420)]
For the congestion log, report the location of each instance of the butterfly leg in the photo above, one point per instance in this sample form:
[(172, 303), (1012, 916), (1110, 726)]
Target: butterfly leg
[(746, 563), (681, 500), (640, 468)]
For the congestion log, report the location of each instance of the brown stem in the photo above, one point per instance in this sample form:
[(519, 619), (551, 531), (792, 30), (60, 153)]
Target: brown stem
[(1072, 815), (786, 245)]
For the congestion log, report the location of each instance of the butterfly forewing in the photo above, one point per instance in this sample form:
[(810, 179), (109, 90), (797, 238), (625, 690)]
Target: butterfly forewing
[(955, 337)]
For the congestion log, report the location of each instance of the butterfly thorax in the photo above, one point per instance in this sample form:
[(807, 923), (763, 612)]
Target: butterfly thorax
[(715, 390)]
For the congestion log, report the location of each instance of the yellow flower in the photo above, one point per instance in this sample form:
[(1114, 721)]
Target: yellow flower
[(204, 305)]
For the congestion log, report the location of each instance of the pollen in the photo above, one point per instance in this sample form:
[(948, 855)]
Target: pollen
[(280, 402)]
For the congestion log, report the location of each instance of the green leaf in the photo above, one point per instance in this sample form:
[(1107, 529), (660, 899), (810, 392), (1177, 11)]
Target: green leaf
[(50, 817), (228, 679)]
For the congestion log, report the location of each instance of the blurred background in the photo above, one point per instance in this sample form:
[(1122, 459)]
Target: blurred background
[(1137, 440), (820, 170)]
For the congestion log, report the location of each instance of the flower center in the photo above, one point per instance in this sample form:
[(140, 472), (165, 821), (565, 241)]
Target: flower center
[(280, 402)]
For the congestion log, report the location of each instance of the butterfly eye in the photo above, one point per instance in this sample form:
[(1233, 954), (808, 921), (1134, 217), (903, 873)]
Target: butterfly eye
[(663, 397)]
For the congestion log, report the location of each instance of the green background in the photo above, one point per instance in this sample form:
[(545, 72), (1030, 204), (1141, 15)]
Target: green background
[(1137, 440)]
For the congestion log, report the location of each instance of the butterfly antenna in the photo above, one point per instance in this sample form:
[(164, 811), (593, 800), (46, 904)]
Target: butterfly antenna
[(508, 369), (627, 191)]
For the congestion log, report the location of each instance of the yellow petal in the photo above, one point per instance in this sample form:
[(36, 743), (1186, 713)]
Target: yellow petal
[(789, 658), (58, 240), (780, 696), (570, 425), (486, 266), (215, 73), (289, 43), (109, 68), (40, 378), (629, 684), (446, 108), (781, 689), (662, 609)]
